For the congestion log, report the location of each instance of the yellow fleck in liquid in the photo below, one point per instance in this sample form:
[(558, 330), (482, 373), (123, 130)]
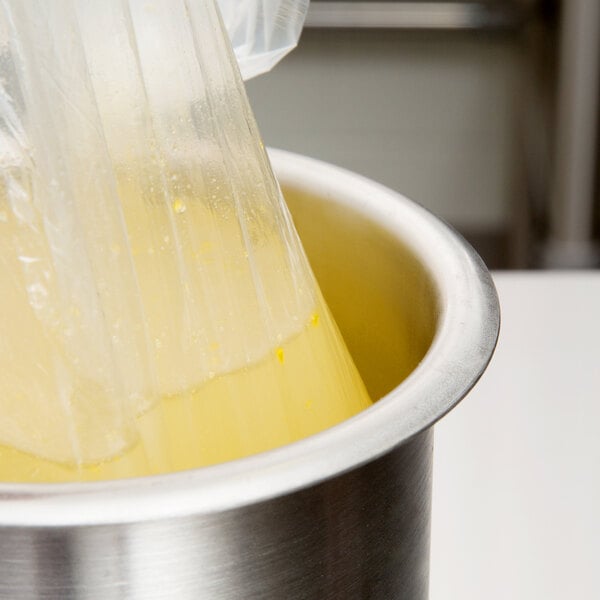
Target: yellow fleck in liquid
[(307, 384)]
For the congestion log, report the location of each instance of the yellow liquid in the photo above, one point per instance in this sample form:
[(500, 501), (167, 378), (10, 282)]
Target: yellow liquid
[(222, 388), (307, 384), (250, 396), (198, 337)]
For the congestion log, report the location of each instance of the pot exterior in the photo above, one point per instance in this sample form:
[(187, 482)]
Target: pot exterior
[(342, 514), (362, 534)]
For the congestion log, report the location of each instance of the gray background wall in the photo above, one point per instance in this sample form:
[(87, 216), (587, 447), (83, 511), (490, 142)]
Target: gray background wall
[(431, 115)]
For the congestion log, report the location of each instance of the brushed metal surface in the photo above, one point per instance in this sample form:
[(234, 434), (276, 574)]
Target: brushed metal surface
[(361, 535), (342, 514)]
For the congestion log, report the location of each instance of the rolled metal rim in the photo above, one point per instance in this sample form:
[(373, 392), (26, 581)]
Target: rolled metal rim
[(467, 330)]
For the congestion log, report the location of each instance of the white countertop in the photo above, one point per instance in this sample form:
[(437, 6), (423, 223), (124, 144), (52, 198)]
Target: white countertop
[(516, 493)]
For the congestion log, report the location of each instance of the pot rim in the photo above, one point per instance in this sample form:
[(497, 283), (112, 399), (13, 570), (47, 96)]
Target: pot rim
[(467, 331)]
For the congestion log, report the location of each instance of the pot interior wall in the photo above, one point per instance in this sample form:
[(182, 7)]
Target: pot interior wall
[(381, 296)]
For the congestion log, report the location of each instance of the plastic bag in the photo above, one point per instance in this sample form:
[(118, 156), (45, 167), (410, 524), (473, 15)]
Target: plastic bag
[(262, 32), (157, 310)]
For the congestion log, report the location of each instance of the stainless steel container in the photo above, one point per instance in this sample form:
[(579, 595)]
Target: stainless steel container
[(344, 514)]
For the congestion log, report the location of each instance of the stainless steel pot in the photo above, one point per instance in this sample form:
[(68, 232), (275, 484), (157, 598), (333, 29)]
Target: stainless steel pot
[(344, 514)]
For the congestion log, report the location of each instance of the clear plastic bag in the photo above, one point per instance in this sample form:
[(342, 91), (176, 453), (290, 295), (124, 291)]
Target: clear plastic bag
[(262, 32), (157, 310)]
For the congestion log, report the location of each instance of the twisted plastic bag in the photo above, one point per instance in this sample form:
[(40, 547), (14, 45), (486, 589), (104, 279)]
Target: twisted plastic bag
[(152, 281), (262, 32)]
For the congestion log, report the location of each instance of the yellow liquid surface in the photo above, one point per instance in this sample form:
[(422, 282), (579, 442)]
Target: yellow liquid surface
[(307, 384)]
